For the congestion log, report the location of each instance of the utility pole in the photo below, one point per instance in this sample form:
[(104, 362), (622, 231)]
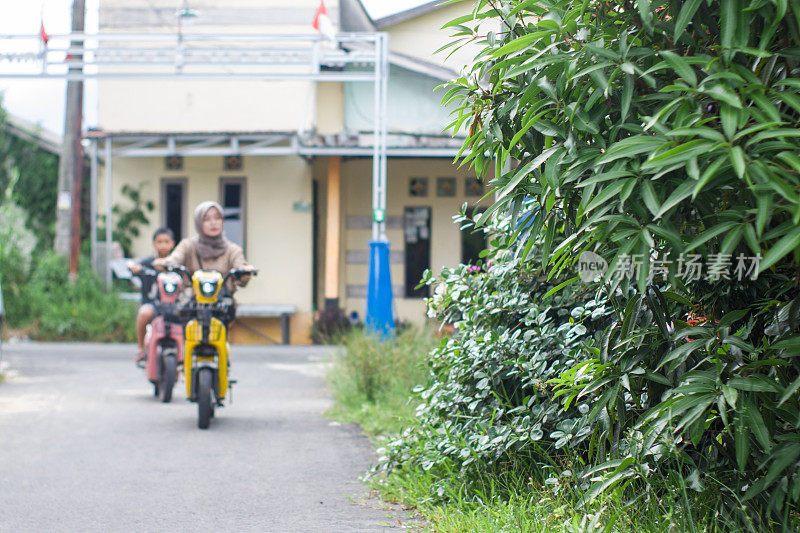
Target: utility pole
[(70, 168)]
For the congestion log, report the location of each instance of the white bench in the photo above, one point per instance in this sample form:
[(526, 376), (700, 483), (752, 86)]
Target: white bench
[(268, 311)]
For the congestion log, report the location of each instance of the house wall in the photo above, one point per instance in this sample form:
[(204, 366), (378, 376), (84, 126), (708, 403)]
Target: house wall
[(356, 231), (414, 104), (422, 36), (279, 237), (207, 105)]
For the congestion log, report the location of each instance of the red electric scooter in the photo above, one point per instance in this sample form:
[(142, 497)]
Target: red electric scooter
[(163, 342)]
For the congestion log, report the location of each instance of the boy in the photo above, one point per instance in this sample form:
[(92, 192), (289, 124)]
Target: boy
[(163, 242)]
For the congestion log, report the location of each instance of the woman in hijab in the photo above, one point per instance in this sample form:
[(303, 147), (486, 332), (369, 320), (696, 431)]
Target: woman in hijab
[(209, 250)]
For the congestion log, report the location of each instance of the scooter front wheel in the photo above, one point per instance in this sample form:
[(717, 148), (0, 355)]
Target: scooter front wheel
[(169, 372), (204, 408)]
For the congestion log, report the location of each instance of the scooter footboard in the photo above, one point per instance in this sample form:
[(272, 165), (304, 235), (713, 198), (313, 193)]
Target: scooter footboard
[(211, 351)]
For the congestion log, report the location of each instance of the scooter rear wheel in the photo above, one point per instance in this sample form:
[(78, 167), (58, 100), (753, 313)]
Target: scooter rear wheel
[(204, 380), (169, 372)]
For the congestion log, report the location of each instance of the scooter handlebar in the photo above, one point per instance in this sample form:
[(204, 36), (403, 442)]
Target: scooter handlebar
[(239, 272), (145, 271)]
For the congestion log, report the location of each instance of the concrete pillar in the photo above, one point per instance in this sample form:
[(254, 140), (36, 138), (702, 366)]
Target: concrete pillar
[(333, 231)]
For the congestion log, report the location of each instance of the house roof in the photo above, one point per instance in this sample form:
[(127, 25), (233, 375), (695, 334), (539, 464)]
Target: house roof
[(263, 143), (35, 133), (434, 70), (355, 15), (408, 14)]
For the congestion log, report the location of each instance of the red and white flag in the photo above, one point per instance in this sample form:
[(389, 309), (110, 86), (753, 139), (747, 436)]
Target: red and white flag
[(43, 34), (322, 22)]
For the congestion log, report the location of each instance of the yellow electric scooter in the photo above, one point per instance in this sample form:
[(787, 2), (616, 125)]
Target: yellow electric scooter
[(207, 317)]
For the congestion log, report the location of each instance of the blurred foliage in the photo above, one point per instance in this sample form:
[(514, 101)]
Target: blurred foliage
[(129, 216), (79, 310), (35, 188)]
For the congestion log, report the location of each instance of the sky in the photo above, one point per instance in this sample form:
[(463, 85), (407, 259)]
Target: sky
[(41, 101)]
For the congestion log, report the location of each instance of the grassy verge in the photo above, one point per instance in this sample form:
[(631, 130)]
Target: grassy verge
[(506, 502), (372, 380)]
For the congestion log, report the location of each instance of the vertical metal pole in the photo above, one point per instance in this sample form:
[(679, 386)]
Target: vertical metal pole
[(384, 127), (93, 203), (109, 216), (376, 126)]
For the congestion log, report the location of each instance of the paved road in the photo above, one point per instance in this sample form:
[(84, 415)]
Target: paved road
[(84, 446)]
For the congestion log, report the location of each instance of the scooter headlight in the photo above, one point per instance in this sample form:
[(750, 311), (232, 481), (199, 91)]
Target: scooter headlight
[(170, 288), (208, 288)]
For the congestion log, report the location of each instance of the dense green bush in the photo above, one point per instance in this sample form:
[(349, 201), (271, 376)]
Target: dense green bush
[(489, 387), (46, 305), (657, 135), (79, 310), (17, 244)]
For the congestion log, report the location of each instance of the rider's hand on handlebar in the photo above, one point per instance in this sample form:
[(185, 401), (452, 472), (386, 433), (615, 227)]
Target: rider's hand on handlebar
[(134, 267), (247, 272)]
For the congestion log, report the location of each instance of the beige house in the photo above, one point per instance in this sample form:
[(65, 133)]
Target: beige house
[(290, 161)]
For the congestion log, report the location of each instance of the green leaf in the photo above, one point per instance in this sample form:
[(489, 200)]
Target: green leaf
[(605, 176), (730, 395), (730, 318), (684, 17), (649, 197), (772, 134), (680, 353), (681, 67), (729, 15), (792, 343), (756, 424), (645, 12), (630, 147), (791, 159), (737, 160), (524, 171), (751, 239), (756, 383), (723, 94), (520, 43), (731, 240), (709, 234), (763, 209), (560, 286), (781, 459), (683, 191), (627, 95), (708, 173), (789, 391), (606, 194), (780, 249), (730, 120), (742, 443), (679, 154), (790, 99)]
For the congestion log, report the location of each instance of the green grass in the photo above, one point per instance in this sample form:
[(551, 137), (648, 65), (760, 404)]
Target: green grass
[(371, 380), (514, 503)]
